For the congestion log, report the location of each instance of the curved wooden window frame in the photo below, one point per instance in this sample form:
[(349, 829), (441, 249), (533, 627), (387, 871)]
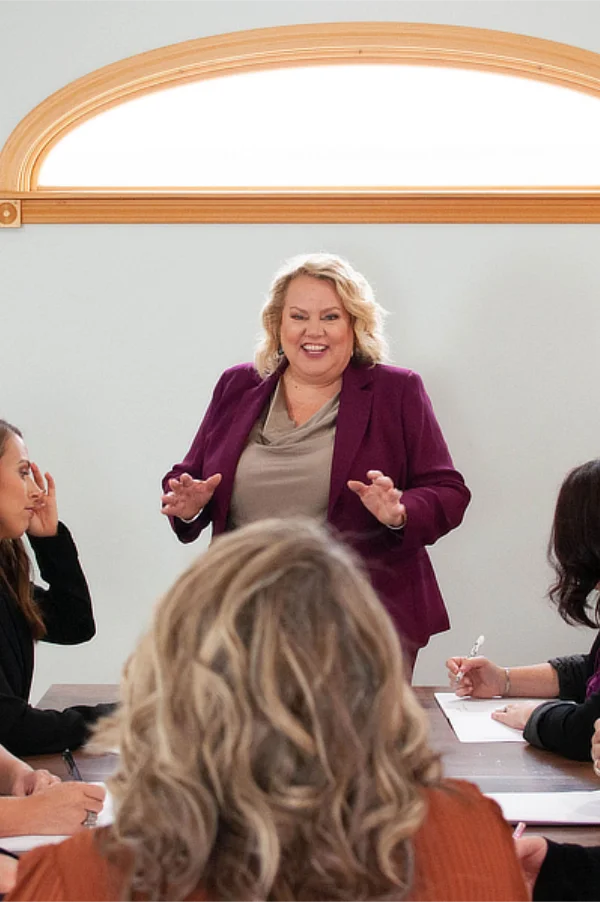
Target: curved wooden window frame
[(297, 45)]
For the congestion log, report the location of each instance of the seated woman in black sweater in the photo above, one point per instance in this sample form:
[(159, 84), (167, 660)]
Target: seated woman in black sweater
[(62, 613), (566, 723)]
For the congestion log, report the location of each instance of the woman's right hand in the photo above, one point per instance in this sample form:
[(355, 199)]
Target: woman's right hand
[(62, 808), (477, 677), (187, 496)]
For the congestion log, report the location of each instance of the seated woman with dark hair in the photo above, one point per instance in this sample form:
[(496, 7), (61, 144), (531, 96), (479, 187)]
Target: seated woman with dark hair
[(271, 748), (557, 725), (62, 613)]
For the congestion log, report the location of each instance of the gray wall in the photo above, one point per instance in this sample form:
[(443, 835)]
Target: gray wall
[(113, 336)]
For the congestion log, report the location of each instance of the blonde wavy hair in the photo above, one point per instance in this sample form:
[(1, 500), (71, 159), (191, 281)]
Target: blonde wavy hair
[(355, 294), (270, 745)]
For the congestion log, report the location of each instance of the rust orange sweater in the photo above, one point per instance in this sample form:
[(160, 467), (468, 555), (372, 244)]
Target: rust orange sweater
[(463, 851)]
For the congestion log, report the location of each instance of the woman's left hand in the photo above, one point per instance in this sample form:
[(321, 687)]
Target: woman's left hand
[(381, 498), (515, 715), (44, 521)]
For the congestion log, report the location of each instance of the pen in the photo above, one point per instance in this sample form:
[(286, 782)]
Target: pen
[(73, 769), (518, 831), (473, 653)]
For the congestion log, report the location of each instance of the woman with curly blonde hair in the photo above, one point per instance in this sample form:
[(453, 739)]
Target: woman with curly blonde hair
[(271, 749), (320, 426)]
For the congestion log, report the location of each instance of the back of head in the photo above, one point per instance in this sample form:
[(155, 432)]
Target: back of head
[(574, 549), (270, 747)]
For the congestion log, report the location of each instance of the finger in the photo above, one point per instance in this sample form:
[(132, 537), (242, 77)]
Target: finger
[(51, 485), (374, 474), (37, 476), (213, 481), (358, 487), (384, 482), (454, 664), (95, 793), (468, 664), (174, 484), (463, 691), (186, 480)]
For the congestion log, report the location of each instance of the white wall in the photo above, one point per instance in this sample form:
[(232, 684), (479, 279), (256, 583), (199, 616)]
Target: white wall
[(113, 336)]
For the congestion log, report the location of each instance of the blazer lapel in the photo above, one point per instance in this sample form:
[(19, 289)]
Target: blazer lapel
[(356, 398)]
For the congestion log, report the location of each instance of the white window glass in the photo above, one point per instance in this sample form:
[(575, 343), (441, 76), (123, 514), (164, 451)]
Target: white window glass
[(338, 126)]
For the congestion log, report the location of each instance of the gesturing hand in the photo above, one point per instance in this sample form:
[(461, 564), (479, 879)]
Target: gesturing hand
[(381, 498), (188, 496), (44, 521)]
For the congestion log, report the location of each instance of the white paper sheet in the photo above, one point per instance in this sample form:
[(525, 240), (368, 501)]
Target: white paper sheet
[(471, 719), (549, 807), (24, 843)]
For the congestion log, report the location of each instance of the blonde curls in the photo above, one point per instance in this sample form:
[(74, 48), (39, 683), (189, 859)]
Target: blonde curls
[(270, 745), (355, 294)]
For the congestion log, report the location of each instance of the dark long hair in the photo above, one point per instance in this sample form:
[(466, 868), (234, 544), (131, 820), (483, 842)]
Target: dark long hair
[(15, 570), (574, 548)]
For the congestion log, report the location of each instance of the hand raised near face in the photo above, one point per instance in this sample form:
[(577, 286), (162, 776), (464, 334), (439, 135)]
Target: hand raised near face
[(44, 521), (187, 496), (381, 498)]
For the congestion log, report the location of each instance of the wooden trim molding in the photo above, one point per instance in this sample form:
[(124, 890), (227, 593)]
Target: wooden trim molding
[(313, 207), (297, 45)]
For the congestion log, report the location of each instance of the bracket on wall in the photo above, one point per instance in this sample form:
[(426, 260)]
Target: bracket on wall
[(10, 214)]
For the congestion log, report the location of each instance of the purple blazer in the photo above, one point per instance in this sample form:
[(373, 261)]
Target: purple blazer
[(385, 422)]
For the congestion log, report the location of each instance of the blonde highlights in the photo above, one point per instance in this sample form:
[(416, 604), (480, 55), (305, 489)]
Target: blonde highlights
[(354, 292), (270, 745)]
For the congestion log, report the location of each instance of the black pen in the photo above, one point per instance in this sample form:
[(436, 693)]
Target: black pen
[(70, 762)]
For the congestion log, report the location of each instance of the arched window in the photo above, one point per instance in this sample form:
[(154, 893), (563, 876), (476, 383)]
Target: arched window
[(363, 122)]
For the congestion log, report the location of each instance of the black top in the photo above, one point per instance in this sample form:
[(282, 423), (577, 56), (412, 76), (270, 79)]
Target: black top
[(569, 872), (565, 725), (66, 608)]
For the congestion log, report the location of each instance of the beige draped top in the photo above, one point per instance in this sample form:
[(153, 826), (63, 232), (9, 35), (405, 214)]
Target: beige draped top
[(284, 469)]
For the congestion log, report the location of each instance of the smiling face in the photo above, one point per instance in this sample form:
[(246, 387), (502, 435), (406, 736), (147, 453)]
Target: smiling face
[(18, 491), (316, 331)]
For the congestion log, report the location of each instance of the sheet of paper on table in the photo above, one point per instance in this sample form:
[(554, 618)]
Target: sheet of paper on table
[(549, 807), (471, 719), (24, 843)]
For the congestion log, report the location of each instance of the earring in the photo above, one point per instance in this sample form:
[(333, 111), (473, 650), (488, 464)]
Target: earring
[(280, 351)]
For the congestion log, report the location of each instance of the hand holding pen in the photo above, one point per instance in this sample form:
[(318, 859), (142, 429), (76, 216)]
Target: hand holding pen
[(92, 811), (475, 675)]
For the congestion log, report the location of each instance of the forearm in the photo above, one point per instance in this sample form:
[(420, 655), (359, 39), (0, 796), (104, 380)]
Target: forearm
[(532, 681), (18, 816)]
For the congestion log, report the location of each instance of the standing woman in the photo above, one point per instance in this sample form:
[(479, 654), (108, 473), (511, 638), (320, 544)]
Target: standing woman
[(318, 426), (62, 613)]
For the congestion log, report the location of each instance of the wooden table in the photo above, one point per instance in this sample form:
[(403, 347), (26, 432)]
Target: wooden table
[(493, 766)]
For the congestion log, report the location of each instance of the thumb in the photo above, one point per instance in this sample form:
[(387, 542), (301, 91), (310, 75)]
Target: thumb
[(359, 488)]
